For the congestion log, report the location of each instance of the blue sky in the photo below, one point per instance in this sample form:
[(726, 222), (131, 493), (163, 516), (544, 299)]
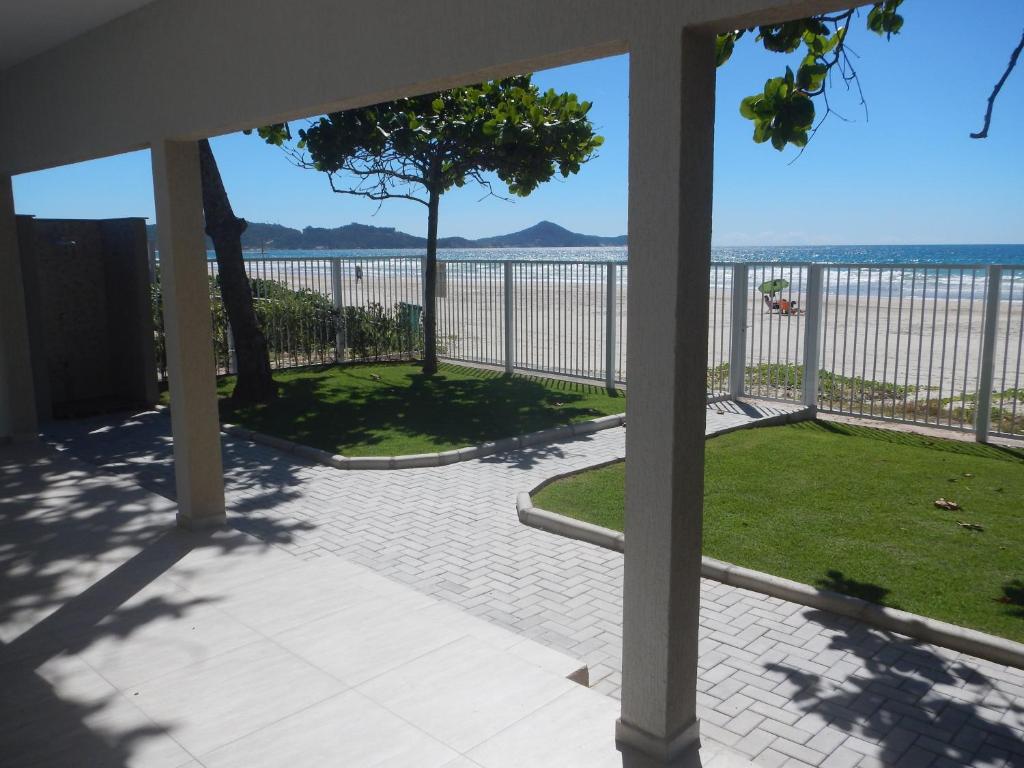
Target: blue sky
[(908, 174)]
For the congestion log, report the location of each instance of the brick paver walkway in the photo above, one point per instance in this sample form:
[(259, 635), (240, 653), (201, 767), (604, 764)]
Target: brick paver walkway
[(781, 683)]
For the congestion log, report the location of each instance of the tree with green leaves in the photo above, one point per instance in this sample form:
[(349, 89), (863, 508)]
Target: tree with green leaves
[(418, 148), (784, 111)]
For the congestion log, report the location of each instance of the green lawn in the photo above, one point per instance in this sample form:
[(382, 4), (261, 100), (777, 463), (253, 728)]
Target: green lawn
[(852, 509), (392, 409)]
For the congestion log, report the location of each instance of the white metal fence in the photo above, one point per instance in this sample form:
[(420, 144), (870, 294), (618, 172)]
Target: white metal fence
[(939, 345)]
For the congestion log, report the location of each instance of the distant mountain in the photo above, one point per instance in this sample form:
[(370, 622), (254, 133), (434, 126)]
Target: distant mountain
[(257, 234), (361, 236), (546, 234), (273, 235)]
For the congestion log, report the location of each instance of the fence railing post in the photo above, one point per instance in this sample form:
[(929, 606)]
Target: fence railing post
[(812, 335), (986, 373), (738, 331), (339, 328), (509, 320), (423, 283), (609, 328), (442, 280)]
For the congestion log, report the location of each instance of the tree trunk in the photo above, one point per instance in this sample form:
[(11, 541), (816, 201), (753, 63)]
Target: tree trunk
[(254, 383), (430, 285)]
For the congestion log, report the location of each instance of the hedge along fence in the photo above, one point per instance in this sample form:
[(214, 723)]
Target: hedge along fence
[(304, 328)]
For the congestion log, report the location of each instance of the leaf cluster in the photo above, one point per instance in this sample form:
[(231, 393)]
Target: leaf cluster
[(438, 141), (784, 111)]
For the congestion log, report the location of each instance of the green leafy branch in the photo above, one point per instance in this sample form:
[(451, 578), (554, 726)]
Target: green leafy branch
[(784, 111)]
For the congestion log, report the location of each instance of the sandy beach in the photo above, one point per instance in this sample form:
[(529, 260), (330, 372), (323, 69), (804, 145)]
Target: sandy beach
[(917, 346)]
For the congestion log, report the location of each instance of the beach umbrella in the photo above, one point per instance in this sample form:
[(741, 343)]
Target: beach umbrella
[(771, 287)]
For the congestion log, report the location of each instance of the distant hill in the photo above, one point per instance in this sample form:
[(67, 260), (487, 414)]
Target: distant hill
[(357, 236), (281, 237), (546, 234), (361, 236), (274, 236)]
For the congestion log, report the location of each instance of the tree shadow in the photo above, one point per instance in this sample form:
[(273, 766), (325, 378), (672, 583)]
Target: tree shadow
[(835, 581), (916, 701), (527, 458), (1013, 597), (742, 407), (961, 447), (80, 553), (139, 446), (343, 407), (47, 730)]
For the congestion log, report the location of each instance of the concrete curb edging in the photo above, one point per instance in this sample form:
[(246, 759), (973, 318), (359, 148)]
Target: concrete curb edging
[(567, 526), (962, 639), (419, 460), (789, 417)]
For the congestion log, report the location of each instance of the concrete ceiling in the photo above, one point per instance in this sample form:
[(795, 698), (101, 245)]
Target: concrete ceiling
[(30, 27)]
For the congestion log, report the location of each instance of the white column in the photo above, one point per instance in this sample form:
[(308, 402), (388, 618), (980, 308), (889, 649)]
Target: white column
[(672, 90), (17, 394), (198, 469)]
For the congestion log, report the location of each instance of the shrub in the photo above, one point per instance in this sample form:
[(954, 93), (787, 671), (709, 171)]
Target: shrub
[(373, 333), (302, 326)]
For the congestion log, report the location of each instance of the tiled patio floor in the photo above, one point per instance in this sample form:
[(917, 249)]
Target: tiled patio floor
[(126, 642), (780, 683)]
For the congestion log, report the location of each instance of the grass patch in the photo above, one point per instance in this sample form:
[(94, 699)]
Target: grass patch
[(851, 509), (387, 409)]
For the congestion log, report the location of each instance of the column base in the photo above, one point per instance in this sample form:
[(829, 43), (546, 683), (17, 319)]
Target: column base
[(641, 749), (206, 523)]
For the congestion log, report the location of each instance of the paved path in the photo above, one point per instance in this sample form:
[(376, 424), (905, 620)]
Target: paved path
[(125, 643), (780, 683)]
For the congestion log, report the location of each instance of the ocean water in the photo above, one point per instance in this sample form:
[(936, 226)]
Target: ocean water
[(940, 271), (817, 254)]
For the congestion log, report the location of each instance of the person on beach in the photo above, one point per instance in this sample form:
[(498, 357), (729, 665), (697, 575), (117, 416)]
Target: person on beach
[(359, 273)]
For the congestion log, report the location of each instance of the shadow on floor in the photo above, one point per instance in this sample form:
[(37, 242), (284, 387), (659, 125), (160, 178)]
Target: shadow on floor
[(527, 458), (893, 701), (139, 447), (77, 547), (835, 581)]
